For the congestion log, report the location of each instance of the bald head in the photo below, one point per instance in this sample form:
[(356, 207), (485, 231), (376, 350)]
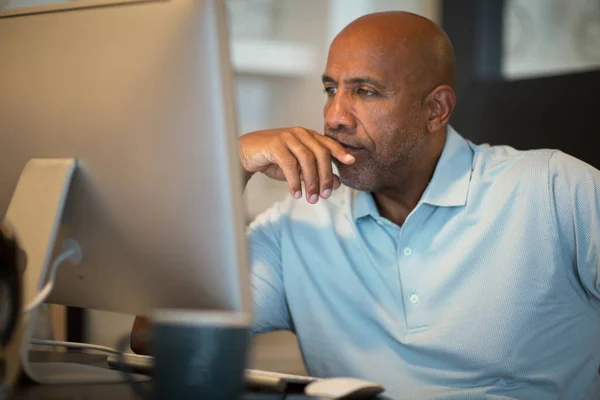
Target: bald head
[(407, 44)]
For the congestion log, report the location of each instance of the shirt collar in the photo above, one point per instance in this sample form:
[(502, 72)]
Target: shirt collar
[(364, 205), (449, 185)]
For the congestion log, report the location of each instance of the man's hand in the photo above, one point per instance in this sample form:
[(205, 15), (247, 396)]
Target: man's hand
[(139, 335), (294, 155)]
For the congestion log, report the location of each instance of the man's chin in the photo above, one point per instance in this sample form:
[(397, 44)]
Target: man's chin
[(355, 180), (357, 186)]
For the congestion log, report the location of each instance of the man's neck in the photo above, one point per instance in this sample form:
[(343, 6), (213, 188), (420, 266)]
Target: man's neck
[(396, 205), (397, 200)]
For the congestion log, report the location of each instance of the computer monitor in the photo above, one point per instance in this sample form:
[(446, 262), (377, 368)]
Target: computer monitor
[(135, 99)]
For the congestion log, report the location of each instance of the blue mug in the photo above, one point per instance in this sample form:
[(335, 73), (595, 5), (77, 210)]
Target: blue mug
[(197, 354)]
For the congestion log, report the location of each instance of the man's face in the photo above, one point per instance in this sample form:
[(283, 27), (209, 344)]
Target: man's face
[(374, 110)]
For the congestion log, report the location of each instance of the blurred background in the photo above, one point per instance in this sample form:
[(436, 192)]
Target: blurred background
[(529, 75)]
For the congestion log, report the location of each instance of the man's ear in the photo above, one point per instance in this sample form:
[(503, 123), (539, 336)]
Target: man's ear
[(441, 102)]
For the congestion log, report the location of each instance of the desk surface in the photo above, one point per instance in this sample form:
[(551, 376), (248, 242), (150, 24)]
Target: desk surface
[(115, 391)]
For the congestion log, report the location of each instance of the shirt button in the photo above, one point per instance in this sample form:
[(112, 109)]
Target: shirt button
[(414, 298), (407, 251)]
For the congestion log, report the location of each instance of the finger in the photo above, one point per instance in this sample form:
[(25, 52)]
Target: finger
[(289, 166), (274, 171), (323, 159), (308, 166), (336, 182), (336, 149)]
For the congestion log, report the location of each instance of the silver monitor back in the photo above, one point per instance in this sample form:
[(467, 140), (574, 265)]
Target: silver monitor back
[(140, 93)]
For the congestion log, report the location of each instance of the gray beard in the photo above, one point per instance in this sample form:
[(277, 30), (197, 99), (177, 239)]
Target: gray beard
[(370, 176), (374, 176)]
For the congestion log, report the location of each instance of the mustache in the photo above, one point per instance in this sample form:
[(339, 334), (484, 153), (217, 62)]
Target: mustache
[(343, 137)]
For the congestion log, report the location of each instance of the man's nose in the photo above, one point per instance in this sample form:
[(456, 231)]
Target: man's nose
[(338, 113)]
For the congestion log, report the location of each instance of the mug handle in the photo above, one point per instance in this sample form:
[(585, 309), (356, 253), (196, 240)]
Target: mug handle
[(137, 388)]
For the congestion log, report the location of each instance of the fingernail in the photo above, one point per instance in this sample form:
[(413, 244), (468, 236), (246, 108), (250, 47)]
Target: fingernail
[(314, 198), (298, 194), (326, 193), (349, 157)]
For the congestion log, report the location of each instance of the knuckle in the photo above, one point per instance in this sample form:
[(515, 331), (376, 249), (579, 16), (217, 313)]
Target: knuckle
[(285, 136), (324, 155), (326, 182), (289, 162), (336, 145), (312, 186), (306, 155), (275, 146)]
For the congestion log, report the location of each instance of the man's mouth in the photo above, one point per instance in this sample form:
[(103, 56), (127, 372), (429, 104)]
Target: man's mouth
[(352, 149), (349, 148)]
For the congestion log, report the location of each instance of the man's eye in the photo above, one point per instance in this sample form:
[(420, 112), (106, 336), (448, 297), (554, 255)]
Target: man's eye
[(365, 92), (330, 91)]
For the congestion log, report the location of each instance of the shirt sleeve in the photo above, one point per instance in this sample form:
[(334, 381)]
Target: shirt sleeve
[(271, 311), (575, 191)]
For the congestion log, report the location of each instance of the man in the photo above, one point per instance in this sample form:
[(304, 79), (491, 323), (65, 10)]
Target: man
[(439, 268)]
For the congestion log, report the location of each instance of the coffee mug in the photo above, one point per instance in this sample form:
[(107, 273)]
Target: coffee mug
[(198, 354)]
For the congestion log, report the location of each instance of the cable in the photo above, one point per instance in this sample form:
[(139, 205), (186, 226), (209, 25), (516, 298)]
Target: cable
[(139, 390), (74, 345), (73, 253), (45, 292)]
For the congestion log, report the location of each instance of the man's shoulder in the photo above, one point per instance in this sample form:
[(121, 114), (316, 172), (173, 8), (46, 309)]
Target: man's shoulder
[(534, 171), (487, 157), (518, 166), (563, 163), (502, 157)]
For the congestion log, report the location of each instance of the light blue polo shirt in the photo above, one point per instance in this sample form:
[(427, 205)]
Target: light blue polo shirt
[(490, 289)]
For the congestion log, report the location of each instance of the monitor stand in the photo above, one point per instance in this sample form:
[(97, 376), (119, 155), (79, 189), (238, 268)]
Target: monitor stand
[(35, 212)]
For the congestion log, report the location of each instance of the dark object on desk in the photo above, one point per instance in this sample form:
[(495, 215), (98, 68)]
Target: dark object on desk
[(10, 284), (11, 264)]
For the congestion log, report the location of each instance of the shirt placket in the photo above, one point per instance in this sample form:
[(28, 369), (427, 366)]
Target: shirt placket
[(409, 262)]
